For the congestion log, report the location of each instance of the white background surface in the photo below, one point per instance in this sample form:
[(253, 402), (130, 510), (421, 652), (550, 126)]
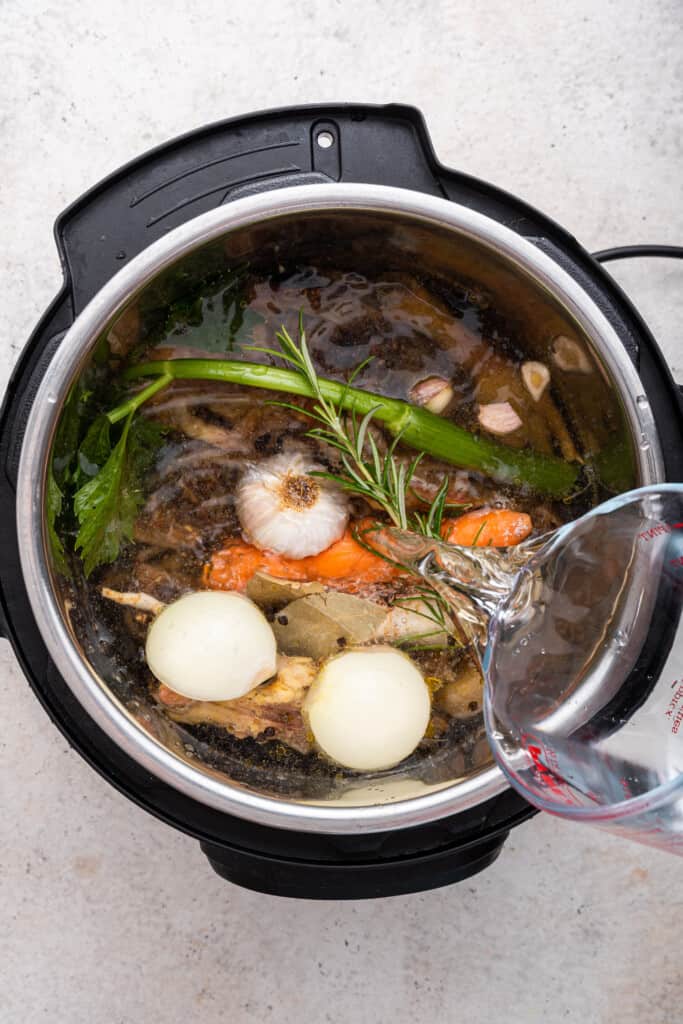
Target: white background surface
[(107, 915)]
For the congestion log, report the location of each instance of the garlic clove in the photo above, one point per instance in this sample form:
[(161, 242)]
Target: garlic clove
[(434, 393), (499, 418), (282, 508), (536, 377), (569, 355)]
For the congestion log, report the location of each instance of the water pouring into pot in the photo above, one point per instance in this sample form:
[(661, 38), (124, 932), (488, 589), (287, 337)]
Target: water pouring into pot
[(567, 628)]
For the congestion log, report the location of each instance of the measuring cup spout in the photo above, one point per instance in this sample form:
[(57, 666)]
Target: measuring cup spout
[(471, 581)]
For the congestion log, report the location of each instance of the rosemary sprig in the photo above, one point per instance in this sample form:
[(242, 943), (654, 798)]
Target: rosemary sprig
[(431, 522), (419, 429), (478, 534), (382, 479), (434, 609)]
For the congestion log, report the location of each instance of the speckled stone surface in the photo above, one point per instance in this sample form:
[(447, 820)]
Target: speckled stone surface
[(107, 916)]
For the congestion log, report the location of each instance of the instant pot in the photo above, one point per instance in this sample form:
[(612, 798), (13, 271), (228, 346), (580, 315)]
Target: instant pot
[(172, 210)]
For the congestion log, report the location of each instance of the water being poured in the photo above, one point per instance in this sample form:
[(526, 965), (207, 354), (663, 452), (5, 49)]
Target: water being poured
[(580, 641)]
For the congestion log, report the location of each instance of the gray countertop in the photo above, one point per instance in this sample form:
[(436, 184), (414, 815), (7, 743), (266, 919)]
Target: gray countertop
[(107, 915)]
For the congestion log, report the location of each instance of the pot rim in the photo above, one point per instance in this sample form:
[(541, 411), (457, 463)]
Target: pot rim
[(69, 359)]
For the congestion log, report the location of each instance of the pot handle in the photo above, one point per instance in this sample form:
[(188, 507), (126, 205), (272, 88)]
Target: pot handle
[(360, 143), (16, 406), (21, 391), (162, 189)]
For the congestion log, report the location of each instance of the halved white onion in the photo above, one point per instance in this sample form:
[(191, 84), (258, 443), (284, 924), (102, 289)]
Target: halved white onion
[(211, 645), (282, 508), (368, 708)]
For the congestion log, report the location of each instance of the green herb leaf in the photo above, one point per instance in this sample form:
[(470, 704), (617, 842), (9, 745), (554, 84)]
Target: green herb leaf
[(104, 517), (63, 468), (436, 510), (94, 451), (69, 432), (106, 506), (144, 441)]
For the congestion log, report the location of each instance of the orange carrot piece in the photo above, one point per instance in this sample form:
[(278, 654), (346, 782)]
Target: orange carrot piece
[(495, 527), (345, 565), (233, 566), (349, 565)]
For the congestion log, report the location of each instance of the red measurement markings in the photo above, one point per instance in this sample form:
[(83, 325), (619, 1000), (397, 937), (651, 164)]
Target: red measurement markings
[(546, 777), (674, 709), (655, 531), (658, 530), (625, 787)]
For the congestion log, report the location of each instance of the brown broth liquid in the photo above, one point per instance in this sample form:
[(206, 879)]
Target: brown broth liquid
[(411, 329)]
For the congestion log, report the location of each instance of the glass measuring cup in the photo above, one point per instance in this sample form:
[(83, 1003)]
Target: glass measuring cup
[(580, 638)]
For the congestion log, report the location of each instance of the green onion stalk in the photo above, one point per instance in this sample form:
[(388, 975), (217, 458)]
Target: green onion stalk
[(415, 426)]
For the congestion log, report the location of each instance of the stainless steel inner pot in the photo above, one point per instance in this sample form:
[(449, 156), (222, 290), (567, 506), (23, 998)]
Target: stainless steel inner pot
[(423, 230)]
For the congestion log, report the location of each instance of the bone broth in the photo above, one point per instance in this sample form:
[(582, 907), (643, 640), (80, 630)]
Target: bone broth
[(244, 439)]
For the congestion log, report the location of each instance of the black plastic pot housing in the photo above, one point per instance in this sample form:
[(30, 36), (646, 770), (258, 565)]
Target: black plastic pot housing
[(111, 224)]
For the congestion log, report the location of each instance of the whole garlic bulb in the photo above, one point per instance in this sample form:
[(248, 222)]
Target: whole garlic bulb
[(282, 508)]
